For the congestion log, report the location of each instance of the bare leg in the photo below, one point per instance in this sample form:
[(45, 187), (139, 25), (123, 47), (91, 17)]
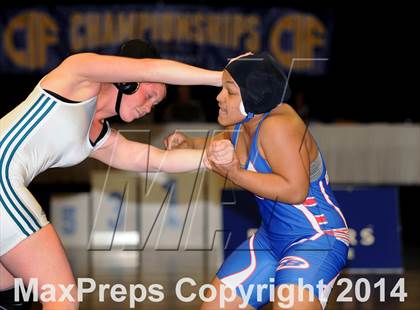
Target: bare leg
[(293, 301), (6, 278), (41, 256), (215, 304)]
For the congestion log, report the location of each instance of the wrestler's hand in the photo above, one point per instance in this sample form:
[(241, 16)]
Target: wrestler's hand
[(221, 152), (222, 157), (177, 140), (206, 162)]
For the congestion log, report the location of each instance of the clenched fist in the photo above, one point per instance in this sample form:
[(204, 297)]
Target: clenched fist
[(221, 152), (222, 158)]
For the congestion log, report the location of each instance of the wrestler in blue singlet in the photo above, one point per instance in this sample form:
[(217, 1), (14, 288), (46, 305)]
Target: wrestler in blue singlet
[(308, 240)]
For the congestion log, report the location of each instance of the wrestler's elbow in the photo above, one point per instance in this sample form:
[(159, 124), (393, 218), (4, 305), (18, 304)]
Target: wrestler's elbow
[(298, 193)]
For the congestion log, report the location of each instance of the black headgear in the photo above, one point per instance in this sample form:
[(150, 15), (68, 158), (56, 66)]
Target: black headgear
[(261, 81), (134, 49)]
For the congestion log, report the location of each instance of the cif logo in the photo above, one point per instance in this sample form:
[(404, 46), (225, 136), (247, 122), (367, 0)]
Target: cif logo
[(306, 36), (28, 36)]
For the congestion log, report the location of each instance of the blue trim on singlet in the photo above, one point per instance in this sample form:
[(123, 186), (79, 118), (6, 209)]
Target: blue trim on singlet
[(235, 134), (26, 131), (254, 145), (254, 156)]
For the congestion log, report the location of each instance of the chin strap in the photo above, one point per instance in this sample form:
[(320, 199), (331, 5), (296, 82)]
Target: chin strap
[(118, 102), (248, 117)]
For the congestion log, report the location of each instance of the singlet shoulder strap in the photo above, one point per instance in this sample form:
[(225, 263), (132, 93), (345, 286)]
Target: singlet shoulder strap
[(257, 130), (235, 134)]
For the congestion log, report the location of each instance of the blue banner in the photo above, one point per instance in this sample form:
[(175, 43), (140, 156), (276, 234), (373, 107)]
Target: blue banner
[(38, 39), (373, 217)]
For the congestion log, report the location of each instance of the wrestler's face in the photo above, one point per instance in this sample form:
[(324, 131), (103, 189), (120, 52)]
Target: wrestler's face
[(142, 101), (229, 100)]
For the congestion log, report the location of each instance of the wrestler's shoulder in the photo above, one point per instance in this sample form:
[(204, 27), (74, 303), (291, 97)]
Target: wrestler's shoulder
[(282, 117)]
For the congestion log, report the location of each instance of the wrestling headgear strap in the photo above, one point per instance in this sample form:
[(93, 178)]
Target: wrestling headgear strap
[(134, 49)]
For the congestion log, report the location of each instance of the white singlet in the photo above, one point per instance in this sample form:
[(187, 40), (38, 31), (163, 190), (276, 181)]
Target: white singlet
[(40, 133)]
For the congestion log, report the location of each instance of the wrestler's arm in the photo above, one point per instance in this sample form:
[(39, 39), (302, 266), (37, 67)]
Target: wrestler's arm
[(106, 69), (121, 153), (281, 140), (178, 140)]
